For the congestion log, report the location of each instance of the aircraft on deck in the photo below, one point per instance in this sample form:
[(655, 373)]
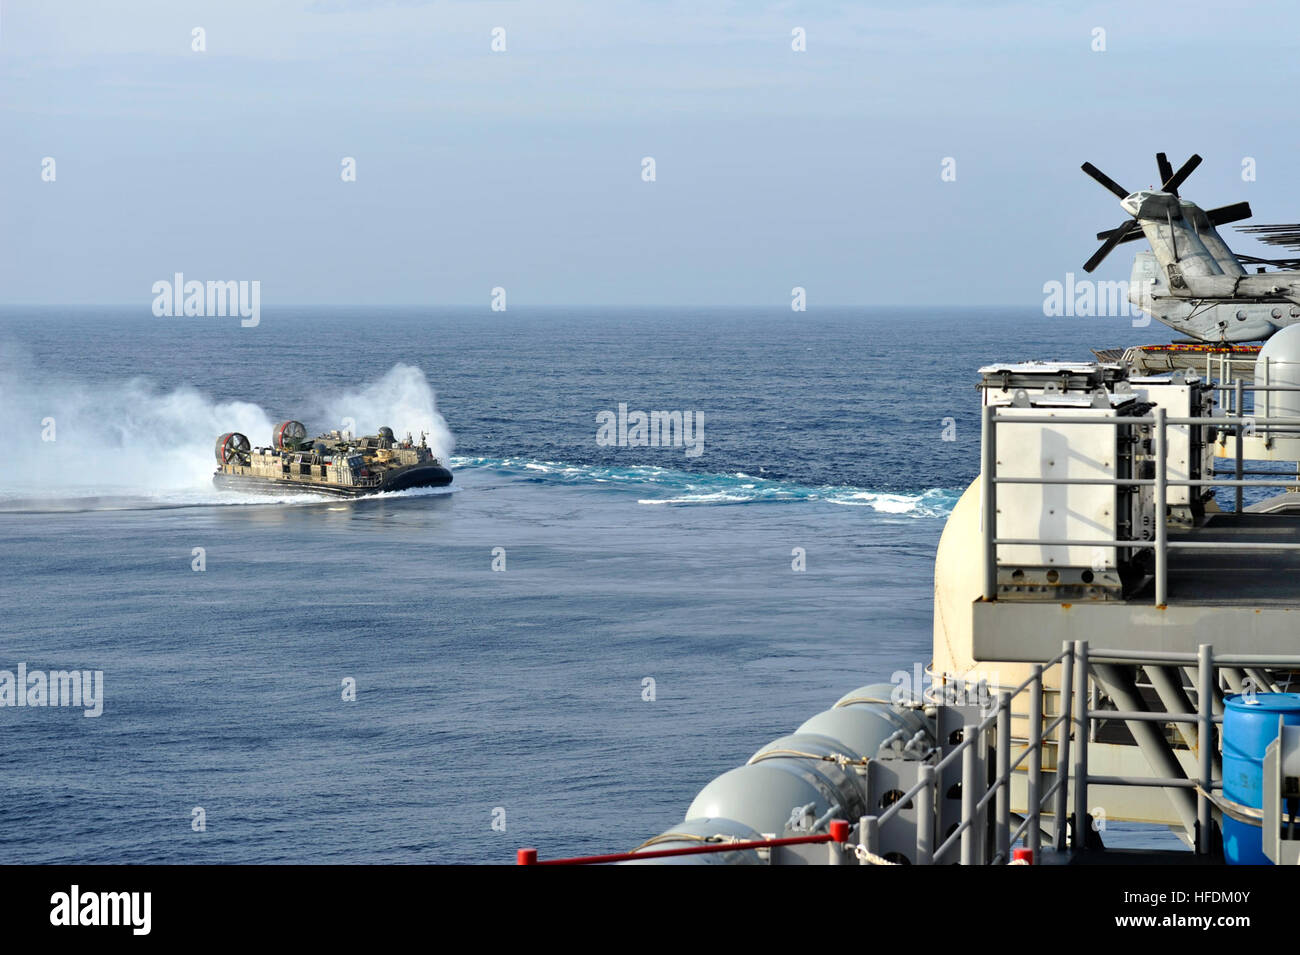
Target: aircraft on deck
[(1190, 280)]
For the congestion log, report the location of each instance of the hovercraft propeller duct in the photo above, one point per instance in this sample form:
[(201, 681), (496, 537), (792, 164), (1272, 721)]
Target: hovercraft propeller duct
[(288, 435), (1170, 181), (233, 448)]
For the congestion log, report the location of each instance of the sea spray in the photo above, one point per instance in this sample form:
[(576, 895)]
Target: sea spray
[(402, 399)]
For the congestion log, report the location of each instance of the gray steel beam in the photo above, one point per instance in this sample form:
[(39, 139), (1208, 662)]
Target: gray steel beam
[(1161, 505), (1033, 836), (1064, 697), (989, 492), (1082, 734), (1168, 685), (1002, 826), (1240, 488), (1118, 683), (925, 809), (1205, 733), (969, 795)]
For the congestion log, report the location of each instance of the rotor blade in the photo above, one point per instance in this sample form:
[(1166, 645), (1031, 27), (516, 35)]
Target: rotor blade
[(1104, 179), (1284, 234), (1166, 170), (1177, 179), (1116, 237), (1290, 265), (1233, 213), (1132, 230)]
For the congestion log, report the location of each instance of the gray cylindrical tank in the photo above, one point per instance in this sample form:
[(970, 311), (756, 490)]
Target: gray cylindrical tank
[(912, 717), (862, 728), (818, 744), (762, 795), (695, 831), (845, 782), (865, 718), (789, 773)]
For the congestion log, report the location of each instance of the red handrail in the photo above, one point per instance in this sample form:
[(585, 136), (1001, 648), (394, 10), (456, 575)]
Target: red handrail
[(839, 832)]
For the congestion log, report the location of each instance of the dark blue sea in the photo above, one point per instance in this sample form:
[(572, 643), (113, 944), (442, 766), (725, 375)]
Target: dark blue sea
[(512, 696)]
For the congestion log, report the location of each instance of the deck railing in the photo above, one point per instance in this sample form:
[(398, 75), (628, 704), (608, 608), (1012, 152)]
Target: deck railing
[(1161, 483), (975, 804), (1067, 797)]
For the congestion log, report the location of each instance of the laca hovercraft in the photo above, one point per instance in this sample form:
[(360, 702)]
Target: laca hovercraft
[(333, 463)]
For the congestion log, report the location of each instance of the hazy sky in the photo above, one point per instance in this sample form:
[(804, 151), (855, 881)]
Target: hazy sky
[(522, 168)]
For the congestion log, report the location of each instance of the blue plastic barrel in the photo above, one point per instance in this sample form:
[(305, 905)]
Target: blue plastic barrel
[(1249, 725)]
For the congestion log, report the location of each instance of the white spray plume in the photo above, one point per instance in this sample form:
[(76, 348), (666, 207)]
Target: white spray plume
[(401, 400)]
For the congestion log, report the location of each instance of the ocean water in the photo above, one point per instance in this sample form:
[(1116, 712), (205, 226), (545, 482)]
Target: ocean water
[(483, 696)]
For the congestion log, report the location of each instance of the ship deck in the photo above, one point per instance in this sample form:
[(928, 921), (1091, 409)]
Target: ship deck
[(1186, 355), (1233, 577)]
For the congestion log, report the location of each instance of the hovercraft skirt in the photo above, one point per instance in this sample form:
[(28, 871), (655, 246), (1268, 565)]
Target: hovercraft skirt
[(402, 481)]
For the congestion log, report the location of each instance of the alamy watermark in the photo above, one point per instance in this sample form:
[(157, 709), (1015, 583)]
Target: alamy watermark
[(127, 909), (207, 300), (1086, 298), (84, 688), (972, 688), (654, 429)]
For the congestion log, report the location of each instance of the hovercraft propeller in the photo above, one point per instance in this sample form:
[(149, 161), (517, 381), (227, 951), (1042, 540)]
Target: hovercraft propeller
[(233, 448)]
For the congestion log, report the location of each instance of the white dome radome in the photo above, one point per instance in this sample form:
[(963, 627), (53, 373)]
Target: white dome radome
[(1279, 364)]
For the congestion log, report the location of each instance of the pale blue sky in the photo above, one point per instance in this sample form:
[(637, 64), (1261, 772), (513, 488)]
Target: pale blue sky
[(522, 169)]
